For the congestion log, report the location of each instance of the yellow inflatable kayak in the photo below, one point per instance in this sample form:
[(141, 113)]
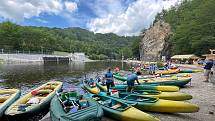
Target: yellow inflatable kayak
[(34, 101), (7, 97)]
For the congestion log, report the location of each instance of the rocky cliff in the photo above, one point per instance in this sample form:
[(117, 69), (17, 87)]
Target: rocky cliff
[(155, 44)]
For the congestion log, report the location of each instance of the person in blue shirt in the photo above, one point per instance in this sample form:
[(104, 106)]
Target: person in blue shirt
[(152, 69), (130, 82), (207, 69), (109, 79)]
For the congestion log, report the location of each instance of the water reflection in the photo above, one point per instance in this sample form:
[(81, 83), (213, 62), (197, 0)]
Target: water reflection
[(28, 75)]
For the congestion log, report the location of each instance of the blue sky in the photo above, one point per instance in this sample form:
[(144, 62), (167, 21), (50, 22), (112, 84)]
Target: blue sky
[(123, 17)]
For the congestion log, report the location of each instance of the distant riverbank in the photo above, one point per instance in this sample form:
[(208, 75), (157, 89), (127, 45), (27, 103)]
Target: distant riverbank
[(32, 58)]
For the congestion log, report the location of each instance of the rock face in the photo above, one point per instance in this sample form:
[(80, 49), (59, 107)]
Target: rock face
[(155, 44)]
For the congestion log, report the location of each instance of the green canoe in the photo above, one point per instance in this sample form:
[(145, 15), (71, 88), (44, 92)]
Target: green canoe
[(122, 111), (177, 96), (87, 110), (190, 71), (119, 76), (156, 105), (171, 81), (164, 88)]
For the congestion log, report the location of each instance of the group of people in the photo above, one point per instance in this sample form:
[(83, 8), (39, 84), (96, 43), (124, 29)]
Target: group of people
[(131, 78)]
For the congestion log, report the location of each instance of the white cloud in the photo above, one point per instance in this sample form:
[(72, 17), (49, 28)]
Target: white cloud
[(18, 10), (41, 20), (104, 7), (71, 6), (131, 21)]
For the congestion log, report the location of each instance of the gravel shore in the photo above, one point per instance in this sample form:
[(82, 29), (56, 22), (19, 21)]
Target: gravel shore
[(203, 95)]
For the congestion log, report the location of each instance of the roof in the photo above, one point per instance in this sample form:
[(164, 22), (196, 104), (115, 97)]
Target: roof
[(190, 56)]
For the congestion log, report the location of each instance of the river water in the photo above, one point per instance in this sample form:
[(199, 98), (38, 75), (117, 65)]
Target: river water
[(26, 76)]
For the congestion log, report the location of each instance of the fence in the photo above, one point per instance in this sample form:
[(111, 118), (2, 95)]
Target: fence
[(4, 51)]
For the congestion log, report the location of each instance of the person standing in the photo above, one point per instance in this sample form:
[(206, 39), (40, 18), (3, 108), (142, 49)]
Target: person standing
[(207, 69), (130, 82), (152, 69), (109, 79)]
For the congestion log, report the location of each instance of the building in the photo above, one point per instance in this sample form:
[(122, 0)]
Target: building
[(184, 58), (211, 55), (78, 56)]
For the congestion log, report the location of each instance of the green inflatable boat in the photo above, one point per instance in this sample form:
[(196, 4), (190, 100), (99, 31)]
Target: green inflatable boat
[(71, 106)]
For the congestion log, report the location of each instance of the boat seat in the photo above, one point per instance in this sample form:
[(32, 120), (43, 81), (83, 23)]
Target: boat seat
[(4, 98), (44, 91), (116, 106), (107, 103), (84, 103), (142, 99)]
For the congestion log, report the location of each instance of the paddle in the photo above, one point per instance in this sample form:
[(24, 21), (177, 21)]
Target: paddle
[(58, 96), (74, 108)]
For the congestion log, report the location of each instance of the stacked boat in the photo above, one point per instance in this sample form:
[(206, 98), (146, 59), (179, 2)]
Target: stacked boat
[(144, 98), (68, 103), (173, 80)]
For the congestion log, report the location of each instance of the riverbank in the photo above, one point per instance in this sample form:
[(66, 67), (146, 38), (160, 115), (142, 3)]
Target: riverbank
[(34, 58)]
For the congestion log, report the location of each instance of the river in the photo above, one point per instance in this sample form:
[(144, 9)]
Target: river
[(26, 76)]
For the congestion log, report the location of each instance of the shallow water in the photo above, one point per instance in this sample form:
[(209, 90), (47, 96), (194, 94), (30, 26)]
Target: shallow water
[(28, 75)]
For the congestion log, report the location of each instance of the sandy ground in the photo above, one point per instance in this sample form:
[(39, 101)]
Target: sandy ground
[(203, 95)]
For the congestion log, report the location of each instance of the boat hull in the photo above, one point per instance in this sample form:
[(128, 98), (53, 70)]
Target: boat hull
[(15, 94), (92, 113), (34, 109), (150, 87)]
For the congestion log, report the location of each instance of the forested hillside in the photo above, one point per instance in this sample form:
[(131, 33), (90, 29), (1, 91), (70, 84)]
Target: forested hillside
[(97, 46), (193, 26)]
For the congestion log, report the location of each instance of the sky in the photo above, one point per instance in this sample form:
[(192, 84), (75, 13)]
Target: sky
[(122, 17)]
